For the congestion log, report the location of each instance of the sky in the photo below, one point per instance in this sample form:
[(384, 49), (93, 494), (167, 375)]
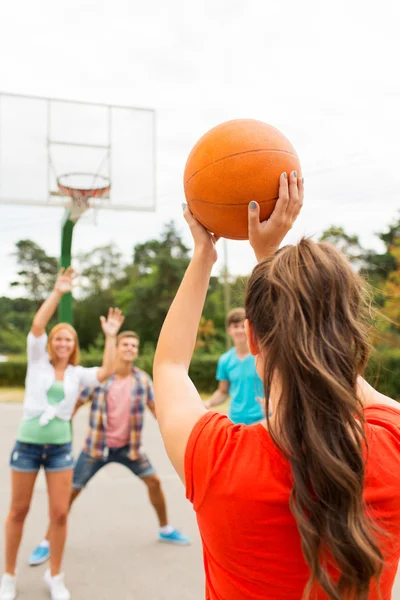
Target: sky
[(325, 74)]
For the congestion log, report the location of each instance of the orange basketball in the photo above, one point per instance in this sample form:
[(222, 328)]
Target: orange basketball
[(232, 164)]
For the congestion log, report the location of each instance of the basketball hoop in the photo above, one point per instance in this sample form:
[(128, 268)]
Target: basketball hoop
[(80, 187)]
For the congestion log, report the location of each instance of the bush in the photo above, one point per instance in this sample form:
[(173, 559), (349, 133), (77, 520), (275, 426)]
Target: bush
[(12, 373), (202, 370), (383, 371)]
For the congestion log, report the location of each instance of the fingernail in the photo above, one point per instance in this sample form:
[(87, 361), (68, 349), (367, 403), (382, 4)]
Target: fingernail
[(284, 175), (183, 206), (302, 180), (294, 173), (253, 205)]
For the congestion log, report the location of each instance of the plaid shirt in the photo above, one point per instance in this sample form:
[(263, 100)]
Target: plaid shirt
[(142, 394)]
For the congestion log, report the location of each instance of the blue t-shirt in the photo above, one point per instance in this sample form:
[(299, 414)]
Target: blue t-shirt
[(244, 387)]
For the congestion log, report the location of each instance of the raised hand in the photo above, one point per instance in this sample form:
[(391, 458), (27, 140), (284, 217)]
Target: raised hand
[(265, 237), (112, 324), (203, 239), (64, 280)]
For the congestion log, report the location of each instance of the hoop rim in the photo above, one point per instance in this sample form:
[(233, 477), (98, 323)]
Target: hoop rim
[(80, 192)]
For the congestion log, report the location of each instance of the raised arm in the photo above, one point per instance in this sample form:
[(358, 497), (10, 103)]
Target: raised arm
[(110, 327), (178, 404), (62, 286)]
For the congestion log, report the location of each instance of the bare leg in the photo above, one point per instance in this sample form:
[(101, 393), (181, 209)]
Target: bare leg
[(22, 485), (59, 487), (74, 494), (157, 498)]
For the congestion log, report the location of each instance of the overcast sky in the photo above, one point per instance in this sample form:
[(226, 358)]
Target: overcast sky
[(325, 74)]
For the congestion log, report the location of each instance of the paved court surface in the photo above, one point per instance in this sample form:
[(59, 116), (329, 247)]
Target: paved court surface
[(112, 552), (112, 549)]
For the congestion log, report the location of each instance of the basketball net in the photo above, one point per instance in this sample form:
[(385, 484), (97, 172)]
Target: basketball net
[(79, 204), (80, 187)]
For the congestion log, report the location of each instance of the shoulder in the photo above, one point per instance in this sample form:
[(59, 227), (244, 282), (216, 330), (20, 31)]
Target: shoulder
[(383, 417), (217, 446), (227, 356), (142, 376)]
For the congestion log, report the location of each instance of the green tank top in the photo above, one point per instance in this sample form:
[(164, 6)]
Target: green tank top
[(57, 431)]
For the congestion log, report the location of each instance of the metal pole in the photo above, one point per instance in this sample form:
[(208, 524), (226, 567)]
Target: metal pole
[(227, 289), (65, 306)]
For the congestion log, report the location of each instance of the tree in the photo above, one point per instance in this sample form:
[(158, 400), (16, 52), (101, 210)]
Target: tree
[(16, 316), (99, 269), (37, 270), (389, 322), (152, 281), (348, 244)]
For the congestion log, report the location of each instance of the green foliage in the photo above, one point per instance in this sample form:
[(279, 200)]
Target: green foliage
[(145, 288), (383, 372), (99, 269), (202, 370), (151, 283), (348, 244), (37, 270), (12, 373), (15, 320)]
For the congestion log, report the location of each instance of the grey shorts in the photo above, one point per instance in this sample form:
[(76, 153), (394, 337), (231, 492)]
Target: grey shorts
[(87, 466)]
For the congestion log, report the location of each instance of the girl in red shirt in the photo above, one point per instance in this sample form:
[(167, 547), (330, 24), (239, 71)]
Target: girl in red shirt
[(307, 504)]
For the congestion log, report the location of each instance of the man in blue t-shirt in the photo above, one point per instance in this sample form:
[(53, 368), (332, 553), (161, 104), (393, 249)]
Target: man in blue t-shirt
[(237, 376)]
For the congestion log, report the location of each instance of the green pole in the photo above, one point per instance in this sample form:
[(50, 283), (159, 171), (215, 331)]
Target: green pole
[(65, 307)]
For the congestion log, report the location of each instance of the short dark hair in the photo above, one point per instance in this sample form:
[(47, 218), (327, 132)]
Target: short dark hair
[(236, 315), (127, 334)]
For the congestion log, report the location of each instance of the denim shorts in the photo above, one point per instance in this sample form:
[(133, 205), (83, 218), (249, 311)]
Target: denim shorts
[(87, 466), (28, 458)]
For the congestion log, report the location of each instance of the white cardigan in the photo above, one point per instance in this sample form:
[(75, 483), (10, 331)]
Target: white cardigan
[(40, 377)]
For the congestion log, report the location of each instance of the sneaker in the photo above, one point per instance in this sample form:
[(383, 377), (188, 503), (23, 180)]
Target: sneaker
[(8, 590), (58, 591), (175, 537), (39, 555)]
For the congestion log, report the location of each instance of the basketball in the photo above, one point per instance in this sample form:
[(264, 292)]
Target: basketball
[(232, 164)]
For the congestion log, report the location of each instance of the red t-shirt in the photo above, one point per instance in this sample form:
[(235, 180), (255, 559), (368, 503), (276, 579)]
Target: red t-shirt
[(240, 483)]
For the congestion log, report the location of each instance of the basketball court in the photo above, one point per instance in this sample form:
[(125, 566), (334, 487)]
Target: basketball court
[(112, 550), (87, 157)]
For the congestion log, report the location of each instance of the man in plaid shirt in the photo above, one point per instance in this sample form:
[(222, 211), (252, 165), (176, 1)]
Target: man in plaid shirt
[(115, 430)]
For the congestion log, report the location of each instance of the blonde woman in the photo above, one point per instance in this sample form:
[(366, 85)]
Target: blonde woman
[(53, 381)]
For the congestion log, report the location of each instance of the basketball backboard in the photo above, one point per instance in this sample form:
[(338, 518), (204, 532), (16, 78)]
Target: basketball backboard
[(42, 139)]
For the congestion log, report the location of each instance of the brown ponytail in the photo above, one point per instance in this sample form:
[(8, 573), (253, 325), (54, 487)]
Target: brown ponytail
[(305, 305)]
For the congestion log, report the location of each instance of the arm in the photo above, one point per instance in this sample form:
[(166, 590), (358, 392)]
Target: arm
[(178, 404), (150, 397), (62, 286), (86, 395), (110, 327), (220, 395)]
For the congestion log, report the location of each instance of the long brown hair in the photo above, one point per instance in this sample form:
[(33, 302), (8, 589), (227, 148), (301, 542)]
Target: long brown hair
[(305, 305)]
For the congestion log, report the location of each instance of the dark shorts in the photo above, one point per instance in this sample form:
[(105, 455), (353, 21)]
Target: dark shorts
[(87, 466), (28, 458)]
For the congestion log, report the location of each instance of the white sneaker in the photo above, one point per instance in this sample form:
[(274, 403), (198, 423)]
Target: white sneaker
[(58, 591), (8, 590)]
